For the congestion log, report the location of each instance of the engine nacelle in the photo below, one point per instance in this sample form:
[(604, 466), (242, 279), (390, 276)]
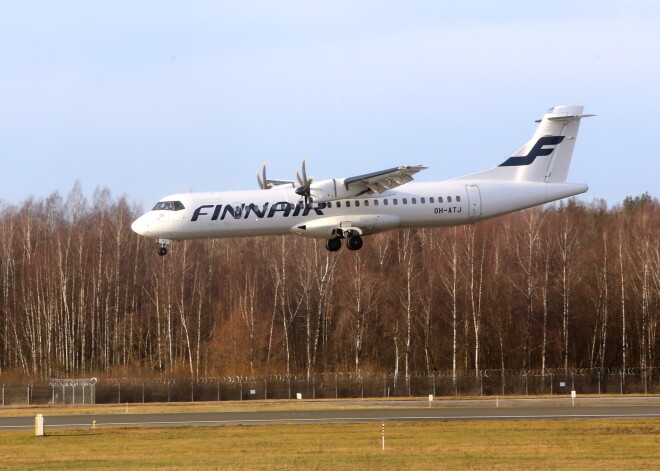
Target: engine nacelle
[(328, 190)]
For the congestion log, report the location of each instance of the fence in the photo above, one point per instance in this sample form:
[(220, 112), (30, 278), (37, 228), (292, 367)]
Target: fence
[(334, 385)]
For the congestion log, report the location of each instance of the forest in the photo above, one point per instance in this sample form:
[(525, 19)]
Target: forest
[(561, 286)]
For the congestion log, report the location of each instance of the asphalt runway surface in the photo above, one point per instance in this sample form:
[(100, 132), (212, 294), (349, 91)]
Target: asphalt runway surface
[(378, 411)]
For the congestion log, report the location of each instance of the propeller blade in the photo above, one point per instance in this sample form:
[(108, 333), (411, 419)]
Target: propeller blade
[(265, 187), (261, 185), (304, 173), (300, 182)]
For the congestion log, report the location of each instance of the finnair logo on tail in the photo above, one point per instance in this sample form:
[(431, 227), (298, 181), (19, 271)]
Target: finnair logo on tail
[(544, 146)]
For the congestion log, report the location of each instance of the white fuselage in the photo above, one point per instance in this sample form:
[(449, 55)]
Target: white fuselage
[(280, 211)]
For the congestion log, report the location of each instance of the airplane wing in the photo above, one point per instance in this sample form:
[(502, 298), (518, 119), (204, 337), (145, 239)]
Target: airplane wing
[(379, 182)]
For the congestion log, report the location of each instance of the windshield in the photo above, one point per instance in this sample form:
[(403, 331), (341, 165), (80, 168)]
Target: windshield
[(169, 206)]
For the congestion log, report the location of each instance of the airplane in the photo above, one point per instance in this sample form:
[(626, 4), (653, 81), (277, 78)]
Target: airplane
[(346, 209)]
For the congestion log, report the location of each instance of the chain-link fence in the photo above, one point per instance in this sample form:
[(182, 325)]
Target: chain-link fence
[(333, 385)]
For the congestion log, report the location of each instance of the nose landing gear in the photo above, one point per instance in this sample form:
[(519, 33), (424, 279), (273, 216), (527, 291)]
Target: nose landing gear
[(162, 250)]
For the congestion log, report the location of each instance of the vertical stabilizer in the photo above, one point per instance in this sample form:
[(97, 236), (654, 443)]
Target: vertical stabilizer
[(546, 157)]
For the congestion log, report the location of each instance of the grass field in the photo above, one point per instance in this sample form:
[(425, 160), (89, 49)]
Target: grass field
[(566, 444)]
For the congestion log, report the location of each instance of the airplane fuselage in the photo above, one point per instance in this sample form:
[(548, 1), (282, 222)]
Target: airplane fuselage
[(281, 211)]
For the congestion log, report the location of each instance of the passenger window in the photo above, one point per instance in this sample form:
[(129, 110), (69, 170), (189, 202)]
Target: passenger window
[(375, 202), (329, 204), (448, 199), (458, 199), (366, 202), (439, 199), (414, 201), (339, 204), (357, 204), (431, 199), (385, 202), (405, 200), (395, 201), (348, 204)]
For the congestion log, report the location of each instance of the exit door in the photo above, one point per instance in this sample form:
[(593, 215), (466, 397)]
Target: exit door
[(474, 200)]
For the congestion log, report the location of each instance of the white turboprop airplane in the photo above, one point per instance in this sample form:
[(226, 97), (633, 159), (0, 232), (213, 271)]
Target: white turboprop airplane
[(349, 208)]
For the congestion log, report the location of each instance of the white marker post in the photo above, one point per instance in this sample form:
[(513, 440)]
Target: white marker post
[(382, 434), (39, 425), (573, 394), (430, 400)]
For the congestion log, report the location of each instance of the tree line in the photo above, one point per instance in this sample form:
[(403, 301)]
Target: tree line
[(563, 286)]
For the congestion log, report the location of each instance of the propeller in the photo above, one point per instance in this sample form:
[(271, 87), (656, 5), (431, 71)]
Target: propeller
[(305, 183), (263, 184)]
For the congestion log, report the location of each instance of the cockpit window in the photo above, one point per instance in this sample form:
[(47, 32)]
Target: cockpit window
[(169, 206)]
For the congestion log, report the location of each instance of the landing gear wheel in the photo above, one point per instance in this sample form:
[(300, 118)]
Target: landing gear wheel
[(354, 242), (333, 244), (162, 251)]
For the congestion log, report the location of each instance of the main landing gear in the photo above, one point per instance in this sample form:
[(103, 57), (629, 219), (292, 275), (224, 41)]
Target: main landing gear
[(333, 244), (353, 242), (162, 250)]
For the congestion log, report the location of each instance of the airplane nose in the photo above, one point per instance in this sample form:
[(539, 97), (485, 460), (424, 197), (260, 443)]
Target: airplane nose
[(140, 226)]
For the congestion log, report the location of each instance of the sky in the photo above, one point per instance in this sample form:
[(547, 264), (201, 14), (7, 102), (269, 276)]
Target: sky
[(153, 98)]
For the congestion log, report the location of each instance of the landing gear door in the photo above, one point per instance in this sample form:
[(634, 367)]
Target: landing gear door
[(474, 200)]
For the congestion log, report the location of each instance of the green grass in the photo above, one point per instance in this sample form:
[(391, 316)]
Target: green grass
[(547, 444)]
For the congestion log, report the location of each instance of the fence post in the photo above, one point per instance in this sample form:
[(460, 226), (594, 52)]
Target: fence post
[(313, 387), (3, 394), (336, 387), (118, 392), (502, 381), (646, 383), (599, 382), (241, 383), (362, 386), (192, 392), (142, 393), (551, 381), (621, 383), (384, 386), (52, 386), (217, 385), (265, 388), (573, 381), (168, 391), (289, 383), (28, 395), (481, 382), (526, 385)]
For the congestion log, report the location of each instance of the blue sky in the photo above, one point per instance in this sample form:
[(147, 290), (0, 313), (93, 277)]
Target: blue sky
[(153, 98)]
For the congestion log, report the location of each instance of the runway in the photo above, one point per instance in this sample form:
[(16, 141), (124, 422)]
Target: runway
[(381, 411)]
